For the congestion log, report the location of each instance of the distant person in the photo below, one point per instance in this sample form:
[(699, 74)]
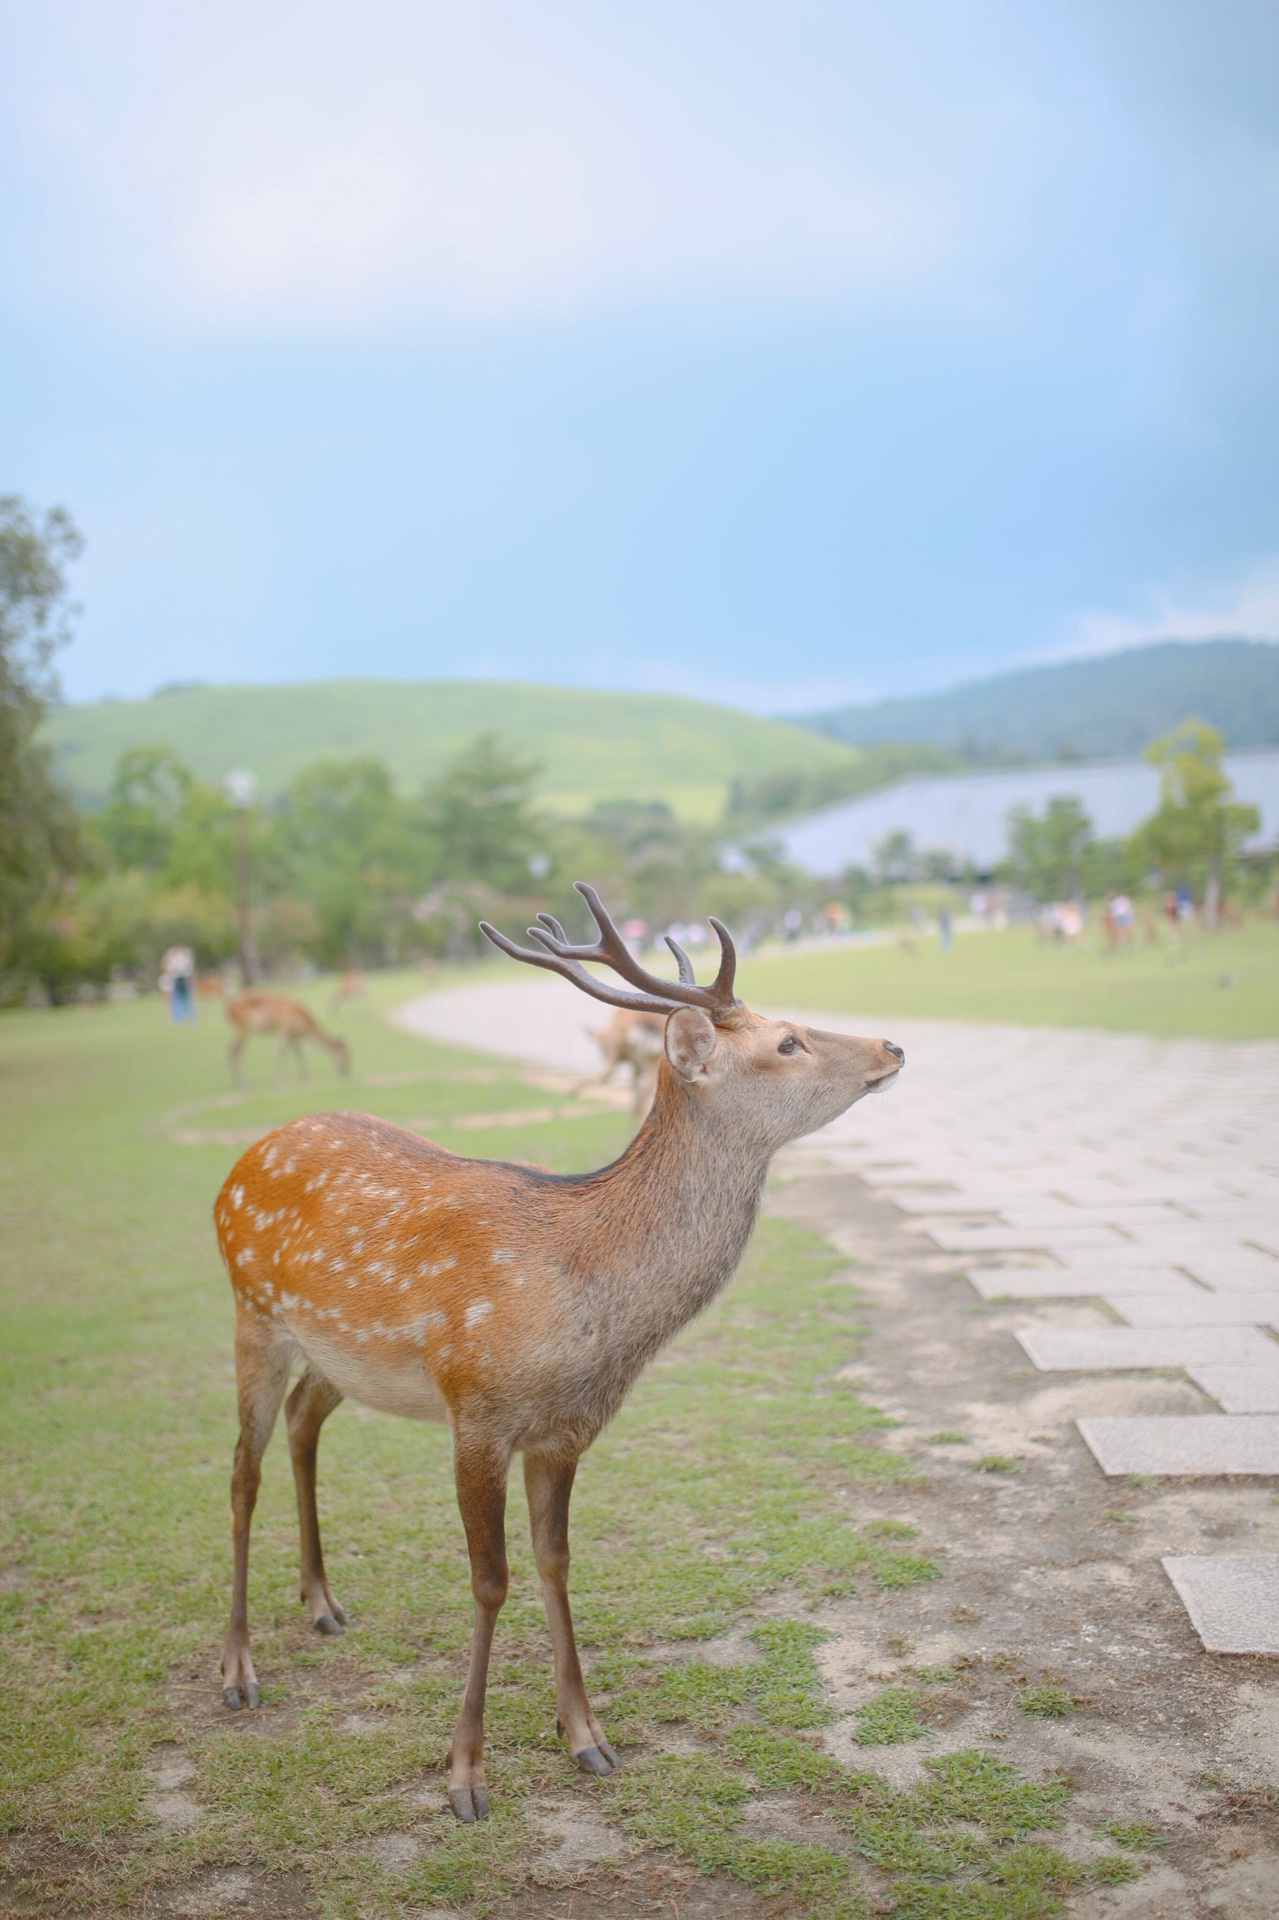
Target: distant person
[(1117, 921), (177, 975), (945, 928)]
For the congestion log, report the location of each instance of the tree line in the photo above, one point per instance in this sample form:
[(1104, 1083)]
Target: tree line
[(345, 870), (1193, 840)]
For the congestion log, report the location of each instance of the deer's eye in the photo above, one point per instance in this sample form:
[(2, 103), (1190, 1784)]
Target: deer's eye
[(789, 1045)]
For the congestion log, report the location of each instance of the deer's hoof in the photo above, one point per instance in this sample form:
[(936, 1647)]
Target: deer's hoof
[(330, 1623), (600, 1760), (469, 1803), (231, 1697)]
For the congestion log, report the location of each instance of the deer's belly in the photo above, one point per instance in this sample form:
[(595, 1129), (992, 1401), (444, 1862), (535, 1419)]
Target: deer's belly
[(398, 1383)]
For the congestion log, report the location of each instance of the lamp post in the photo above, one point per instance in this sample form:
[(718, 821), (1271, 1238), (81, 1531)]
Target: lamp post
[(241, 789)]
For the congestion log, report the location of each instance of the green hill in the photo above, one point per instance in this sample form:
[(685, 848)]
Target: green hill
[(591, 746), (1100, 708)]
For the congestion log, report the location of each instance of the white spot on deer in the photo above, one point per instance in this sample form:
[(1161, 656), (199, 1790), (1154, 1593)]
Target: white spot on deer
[(477, 1311), (499, 1256), (288, 1301), (244, 1256), (337, 1266), (520, 1279), (444, 1353), (237, 1197)]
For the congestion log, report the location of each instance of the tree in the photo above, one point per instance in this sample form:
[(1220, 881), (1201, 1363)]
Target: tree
[(895, 858), (481, 818), (359, 853), (1047, 855), (1195, 834), (38, 841), (149, 792)]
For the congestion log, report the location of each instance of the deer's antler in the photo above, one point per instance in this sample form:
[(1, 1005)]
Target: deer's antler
[(557, 953)]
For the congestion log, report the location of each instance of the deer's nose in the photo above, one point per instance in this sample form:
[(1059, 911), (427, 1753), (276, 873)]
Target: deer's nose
[(898, 1053)]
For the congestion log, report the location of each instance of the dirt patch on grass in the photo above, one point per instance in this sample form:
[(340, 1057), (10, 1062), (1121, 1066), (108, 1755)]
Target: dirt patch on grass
[(649, 1886)]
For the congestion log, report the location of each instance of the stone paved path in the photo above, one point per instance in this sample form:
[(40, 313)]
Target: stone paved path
[(1138, 1174)]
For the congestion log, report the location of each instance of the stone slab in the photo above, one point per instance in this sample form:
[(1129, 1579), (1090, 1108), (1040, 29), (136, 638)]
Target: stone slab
[(1228, 1274), (1123, 1257), (1188, 1306), (1045, 1211), (1072, 1349), (1232, 1599), (1252, 1389), (1016, 1239), (1187, 1444), (1062, 1283)]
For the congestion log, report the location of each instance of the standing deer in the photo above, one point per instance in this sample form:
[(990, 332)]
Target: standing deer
[(515, 1304), (253, 1011), (351, 986), (635, 1040)]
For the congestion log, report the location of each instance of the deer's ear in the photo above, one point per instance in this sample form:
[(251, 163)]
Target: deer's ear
[(690, 1043)]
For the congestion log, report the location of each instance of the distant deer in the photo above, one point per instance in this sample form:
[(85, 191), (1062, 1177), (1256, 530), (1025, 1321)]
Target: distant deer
[(351, 986), (253, 1011), (517, 1305), (637, 1041)]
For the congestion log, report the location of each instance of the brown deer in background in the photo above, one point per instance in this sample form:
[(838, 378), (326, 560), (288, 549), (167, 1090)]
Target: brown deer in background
[(515, 1304), (253, 1011), (351, 986), (637, 1041)]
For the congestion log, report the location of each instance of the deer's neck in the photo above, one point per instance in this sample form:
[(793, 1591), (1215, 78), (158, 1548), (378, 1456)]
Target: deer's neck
[(664, 1227)]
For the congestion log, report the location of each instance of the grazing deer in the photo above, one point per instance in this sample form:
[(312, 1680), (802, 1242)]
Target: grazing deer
[(516, 1304), (635, 1040), (253, 1011)]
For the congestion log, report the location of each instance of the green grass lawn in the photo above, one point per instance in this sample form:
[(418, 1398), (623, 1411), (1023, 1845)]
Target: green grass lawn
[(1223, 986), (743, 1484)]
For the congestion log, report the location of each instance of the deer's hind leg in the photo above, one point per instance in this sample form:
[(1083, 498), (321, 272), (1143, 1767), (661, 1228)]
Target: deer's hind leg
[(548, 1482), (309, 1406), (263, 1356)]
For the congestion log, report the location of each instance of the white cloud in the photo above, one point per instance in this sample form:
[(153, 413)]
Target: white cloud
[(1244, 609), (279, 165)]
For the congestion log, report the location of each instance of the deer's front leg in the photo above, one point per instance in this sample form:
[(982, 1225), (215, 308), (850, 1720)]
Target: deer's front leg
[(262, 1374), (549, 1483), (480, 1471)]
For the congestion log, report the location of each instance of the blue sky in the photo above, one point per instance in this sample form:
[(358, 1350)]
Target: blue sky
[(784, 354)]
